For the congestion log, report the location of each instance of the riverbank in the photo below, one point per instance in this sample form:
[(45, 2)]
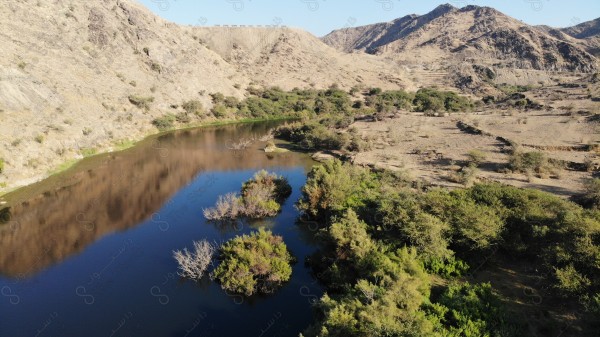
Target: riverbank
[(123, 145)]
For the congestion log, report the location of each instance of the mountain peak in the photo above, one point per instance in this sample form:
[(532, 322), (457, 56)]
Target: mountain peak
[(447, 33), (442, 9)]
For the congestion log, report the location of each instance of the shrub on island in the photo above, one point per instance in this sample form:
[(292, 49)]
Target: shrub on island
[(255, 263), (260, 197)]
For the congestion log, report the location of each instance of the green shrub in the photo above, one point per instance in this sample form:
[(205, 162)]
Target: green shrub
[(88, 152), (570, 281), (40, 138), (165, 122), (333, 187), (194, 107), (466, 175), (446, 267), (406, 223), (183, 118), (529, 161), (231, 102), (378, 236), (471, 311), (261, 197), (141, 101), (255, 263), (217, 98), (315, 136), (512, 89), (432, 100), (219, 111), (387, 302), (592, 193), (476, 157), (1, 165), (156, 67)]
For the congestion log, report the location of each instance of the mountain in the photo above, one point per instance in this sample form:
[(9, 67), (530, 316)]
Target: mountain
[(371, 38), (71, 72), (584, 30), (290, 58), (452, 38), (589, 34)]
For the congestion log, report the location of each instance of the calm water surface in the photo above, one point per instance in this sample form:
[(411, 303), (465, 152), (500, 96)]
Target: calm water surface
[(89, 252)]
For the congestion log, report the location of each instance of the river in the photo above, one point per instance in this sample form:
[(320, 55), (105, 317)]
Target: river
[(88, 252)]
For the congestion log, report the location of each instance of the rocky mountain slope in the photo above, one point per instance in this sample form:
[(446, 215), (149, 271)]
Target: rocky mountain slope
[(471, 32), (589, 33), (473, 44), (290, 58), (584, 30), (70, 73)]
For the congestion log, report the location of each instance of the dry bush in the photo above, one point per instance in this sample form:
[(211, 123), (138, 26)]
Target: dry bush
[(228, 207), (193, 264)]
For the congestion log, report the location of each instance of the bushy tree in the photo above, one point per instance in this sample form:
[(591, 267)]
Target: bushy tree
[(386, 303), (470, 310), (404, 220), (333, 187), (255, 263)]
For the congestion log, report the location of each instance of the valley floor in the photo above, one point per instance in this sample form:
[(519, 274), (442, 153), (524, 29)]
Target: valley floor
[(435, 149)]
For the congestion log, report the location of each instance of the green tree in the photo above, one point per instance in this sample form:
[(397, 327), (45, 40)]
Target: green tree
[(255, 263)]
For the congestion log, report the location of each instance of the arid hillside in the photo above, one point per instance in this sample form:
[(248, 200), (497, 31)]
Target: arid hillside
[(288, 58), (79, 77)]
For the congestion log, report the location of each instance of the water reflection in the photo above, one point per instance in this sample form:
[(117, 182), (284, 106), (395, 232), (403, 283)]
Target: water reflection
[(50, 221)]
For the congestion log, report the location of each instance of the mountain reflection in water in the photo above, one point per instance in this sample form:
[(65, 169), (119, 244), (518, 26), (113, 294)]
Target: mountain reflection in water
[(55, 219)]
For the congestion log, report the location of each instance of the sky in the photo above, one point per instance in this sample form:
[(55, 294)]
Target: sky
[(322, 16)]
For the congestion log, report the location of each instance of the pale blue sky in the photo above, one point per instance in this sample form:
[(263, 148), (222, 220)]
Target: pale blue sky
[(321, 16)]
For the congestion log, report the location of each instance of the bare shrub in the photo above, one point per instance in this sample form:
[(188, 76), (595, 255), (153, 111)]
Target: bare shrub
[(193, 264), (228, 207)]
